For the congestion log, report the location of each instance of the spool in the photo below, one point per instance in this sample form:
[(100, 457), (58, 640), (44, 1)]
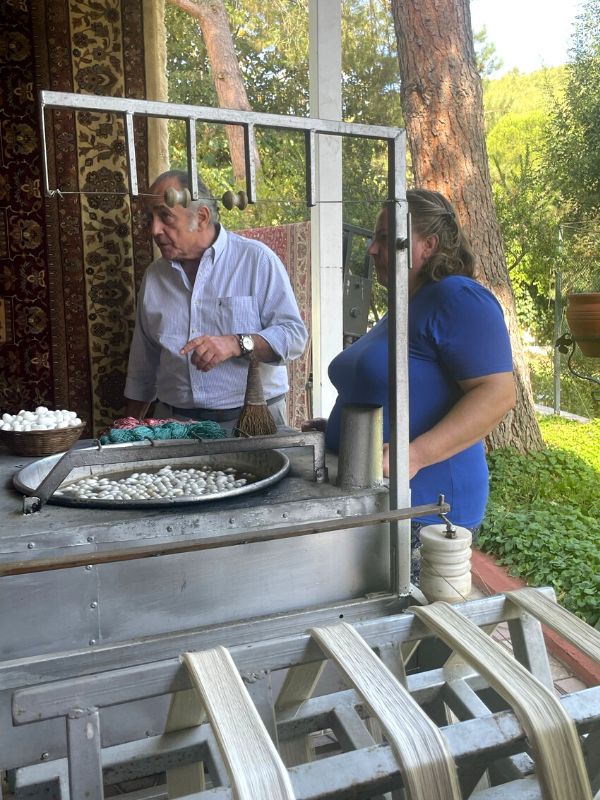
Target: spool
[(360, 462), (235, 200), (445, 564), (177, 197)]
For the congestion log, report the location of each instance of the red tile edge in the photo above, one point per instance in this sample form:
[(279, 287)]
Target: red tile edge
[(491, 578)]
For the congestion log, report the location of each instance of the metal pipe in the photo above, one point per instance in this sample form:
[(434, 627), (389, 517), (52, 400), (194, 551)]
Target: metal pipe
[(360, 458), (337, 525), (398, 366), (557, 326)]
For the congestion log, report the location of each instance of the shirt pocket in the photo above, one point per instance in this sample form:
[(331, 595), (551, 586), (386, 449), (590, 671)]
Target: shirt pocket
[(237, 315)]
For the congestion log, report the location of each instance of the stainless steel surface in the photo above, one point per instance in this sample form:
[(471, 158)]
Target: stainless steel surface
[(269, 466), (360, 461), (69, 608)]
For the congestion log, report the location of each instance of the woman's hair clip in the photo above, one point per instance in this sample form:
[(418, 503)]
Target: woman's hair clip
[(450, 213)]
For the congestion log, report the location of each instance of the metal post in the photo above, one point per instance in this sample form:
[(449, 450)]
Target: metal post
[(360, 460), (398, 366), (557, 326), (325, 70)]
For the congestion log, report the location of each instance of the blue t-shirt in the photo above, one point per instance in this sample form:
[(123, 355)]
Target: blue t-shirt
[(456, 331)]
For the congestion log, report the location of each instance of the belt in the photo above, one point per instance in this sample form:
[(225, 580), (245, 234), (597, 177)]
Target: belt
[(217, 414)]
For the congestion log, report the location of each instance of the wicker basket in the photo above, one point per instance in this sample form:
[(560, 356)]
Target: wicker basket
[(41, 443)]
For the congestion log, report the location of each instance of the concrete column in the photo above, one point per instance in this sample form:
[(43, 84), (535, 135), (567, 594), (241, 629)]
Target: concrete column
[(325, 72)]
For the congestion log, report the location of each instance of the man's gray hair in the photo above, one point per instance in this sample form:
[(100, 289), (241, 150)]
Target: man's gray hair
[(205, 199)]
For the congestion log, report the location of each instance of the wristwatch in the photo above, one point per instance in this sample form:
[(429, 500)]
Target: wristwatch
[(246, 343)]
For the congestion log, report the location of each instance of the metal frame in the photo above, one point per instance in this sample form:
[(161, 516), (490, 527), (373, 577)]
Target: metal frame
[(395, 139), (486, 730)]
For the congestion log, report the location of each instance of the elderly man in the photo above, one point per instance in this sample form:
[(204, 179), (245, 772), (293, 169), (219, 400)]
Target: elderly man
[(213, 300)]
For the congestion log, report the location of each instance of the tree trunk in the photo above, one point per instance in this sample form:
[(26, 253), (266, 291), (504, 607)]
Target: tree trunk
[(227, 76), (442, 103)]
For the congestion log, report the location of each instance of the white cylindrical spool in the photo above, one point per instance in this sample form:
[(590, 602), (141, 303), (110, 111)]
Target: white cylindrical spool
[(360, 461), (445, 564)]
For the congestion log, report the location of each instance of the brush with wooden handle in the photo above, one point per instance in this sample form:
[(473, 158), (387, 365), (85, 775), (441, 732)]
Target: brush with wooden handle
[(255, 419)]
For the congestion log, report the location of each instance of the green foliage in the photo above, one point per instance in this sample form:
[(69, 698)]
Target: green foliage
[(522, 93), (574, 133), (544, 144), (271, 40), (527, 214), (573, 154), (575, 393), (542, 514), (488, 60), (583, 440)]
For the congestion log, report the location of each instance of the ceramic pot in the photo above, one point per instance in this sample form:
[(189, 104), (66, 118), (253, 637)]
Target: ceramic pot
[(583, 318)]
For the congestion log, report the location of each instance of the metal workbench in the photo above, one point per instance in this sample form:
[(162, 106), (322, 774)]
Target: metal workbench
[(98, 613)]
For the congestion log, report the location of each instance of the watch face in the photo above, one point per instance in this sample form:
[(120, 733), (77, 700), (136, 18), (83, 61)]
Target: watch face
[(248, 343)]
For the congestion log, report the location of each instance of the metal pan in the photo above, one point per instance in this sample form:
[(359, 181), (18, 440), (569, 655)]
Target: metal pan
[(269, 466)]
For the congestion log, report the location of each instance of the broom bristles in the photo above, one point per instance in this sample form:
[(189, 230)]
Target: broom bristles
[(255, 419)]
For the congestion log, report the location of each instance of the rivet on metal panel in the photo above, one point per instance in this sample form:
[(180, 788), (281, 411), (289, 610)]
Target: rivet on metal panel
[(231, 521), (30, 545), (88, 566), (169, 529), (94, 604), (90, 538), (253, 677), (285, 515), (92, 641), (44, 756)]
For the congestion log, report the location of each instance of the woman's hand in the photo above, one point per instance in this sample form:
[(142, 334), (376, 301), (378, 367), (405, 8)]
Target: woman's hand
[(316, 424)]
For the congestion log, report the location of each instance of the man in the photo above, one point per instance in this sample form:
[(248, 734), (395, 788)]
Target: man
[(213, 300)]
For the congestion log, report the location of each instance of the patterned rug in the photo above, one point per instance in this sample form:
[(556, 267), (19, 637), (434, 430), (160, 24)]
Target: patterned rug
[(292, 245), (70, 264)]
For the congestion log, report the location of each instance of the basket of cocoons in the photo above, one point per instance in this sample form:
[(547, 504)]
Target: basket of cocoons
[(40, 432)]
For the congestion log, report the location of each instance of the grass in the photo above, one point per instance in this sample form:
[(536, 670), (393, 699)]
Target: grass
[(542, 520)]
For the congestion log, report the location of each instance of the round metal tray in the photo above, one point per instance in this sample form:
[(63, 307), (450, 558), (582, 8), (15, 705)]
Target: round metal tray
[(270, 466)]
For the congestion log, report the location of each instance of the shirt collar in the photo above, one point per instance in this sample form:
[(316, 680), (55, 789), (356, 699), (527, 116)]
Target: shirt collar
[(217, 247), (220, 243)]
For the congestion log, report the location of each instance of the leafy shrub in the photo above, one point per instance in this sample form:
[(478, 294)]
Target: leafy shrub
[(542, 516)]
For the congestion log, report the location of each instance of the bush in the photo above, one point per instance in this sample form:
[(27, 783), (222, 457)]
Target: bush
[(542, 516)]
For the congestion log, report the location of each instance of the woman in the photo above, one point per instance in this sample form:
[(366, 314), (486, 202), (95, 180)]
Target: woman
[(460, 365)]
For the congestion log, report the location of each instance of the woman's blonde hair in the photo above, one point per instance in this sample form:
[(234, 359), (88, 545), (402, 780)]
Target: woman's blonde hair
[(433, 215)]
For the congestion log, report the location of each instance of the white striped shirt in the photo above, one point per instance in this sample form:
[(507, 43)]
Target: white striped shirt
[(241, 287)]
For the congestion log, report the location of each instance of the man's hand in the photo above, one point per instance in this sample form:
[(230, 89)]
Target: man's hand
[(210, 351)]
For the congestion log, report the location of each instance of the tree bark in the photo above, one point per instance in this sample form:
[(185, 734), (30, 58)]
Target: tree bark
[(442, 102), (227, 76)]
